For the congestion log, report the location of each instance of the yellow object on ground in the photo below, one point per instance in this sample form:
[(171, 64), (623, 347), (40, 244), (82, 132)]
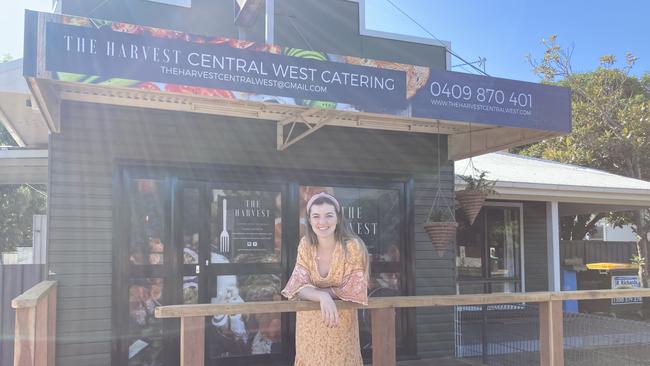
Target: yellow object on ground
[(605, 266)]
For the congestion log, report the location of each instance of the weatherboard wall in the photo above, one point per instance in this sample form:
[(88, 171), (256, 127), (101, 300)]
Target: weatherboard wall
[(84, 160), (535, 246)]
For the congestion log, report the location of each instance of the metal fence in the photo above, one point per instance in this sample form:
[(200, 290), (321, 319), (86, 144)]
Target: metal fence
[(596, 340), (498, 334), (505, 335), (14, 280)]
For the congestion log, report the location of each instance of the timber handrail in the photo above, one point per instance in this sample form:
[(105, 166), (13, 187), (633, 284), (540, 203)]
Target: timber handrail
[(35, 330), (30, 297), (382, 310), (178, 311)]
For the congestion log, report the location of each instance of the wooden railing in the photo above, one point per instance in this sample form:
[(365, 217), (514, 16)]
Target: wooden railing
[(35, 333), (382, 310)]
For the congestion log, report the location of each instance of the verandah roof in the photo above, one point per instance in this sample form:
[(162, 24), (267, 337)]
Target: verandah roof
[(525, 178)]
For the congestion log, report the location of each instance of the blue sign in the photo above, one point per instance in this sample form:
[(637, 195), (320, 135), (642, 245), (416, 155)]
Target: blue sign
[(107, 53), (482, 99)]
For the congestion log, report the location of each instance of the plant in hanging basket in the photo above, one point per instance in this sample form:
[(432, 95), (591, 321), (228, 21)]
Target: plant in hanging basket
[(477, 188), (441, 227)]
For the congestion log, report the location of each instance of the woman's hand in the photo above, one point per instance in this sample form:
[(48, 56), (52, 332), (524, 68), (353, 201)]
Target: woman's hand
[(328, 310), (327, 307)]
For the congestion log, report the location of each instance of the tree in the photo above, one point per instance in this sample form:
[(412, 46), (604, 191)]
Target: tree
[(18, 204), (577, 227), (611, 127), (5, 137)]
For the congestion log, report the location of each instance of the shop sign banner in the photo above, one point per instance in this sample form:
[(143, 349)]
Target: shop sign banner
[(467, 97), (107, 53), (626, 282)]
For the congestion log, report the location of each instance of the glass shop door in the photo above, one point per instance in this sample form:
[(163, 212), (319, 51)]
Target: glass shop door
[(245, 262), (194, 241)]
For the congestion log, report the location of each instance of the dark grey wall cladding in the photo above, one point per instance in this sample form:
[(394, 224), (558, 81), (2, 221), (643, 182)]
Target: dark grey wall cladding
[(93, 137), (200, 19), (318, 25), (329, 26), (434, 275), (535, 244), (321, 25)]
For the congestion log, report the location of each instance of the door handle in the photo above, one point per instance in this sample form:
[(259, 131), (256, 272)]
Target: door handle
[(197, 269)]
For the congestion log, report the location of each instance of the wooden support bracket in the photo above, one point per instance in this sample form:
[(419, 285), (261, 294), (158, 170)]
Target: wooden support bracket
[(312, 120)]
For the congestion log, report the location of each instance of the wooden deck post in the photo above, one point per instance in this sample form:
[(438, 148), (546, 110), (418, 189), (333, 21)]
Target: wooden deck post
[(35, 330), (40, 335), (24, 339), (51, 326), (383, 337), (192, 341), (551, 348)]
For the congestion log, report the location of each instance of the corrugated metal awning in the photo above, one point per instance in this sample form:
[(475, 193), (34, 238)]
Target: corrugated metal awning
[(587, 190)]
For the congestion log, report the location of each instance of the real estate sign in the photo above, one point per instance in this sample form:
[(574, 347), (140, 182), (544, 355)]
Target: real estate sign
[(625, 282)]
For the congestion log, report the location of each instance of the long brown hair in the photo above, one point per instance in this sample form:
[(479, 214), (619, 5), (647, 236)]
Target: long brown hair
[(342, 234)]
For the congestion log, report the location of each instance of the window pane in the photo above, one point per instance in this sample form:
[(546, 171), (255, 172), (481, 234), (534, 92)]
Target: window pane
[(373, 214), (384, 284), (470, 288), (469, 252), (191, 226), (145, 346), (503, 241), (246, 226), (381, 285), (183, 3), (237, 335), (493, 241), (147, 222), (190, 290), (504, 287)]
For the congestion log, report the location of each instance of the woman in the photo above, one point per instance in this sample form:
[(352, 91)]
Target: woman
[(332, 263)]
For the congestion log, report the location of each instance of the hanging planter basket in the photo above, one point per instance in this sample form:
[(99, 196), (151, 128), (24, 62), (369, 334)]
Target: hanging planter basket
[(471, 202), (477, 188), (440, 224), (441, 234)]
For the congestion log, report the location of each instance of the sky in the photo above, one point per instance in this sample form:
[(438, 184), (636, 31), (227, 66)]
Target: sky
[(505, 31), (501, 31), (12, 23)]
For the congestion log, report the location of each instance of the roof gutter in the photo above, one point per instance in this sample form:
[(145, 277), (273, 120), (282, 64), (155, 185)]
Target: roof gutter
[(566, 193)]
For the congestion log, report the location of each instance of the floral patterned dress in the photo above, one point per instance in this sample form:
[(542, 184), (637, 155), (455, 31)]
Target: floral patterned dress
[(316, 344)]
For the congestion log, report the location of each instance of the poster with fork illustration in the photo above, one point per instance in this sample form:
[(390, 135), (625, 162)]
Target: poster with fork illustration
[(244, 225)]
